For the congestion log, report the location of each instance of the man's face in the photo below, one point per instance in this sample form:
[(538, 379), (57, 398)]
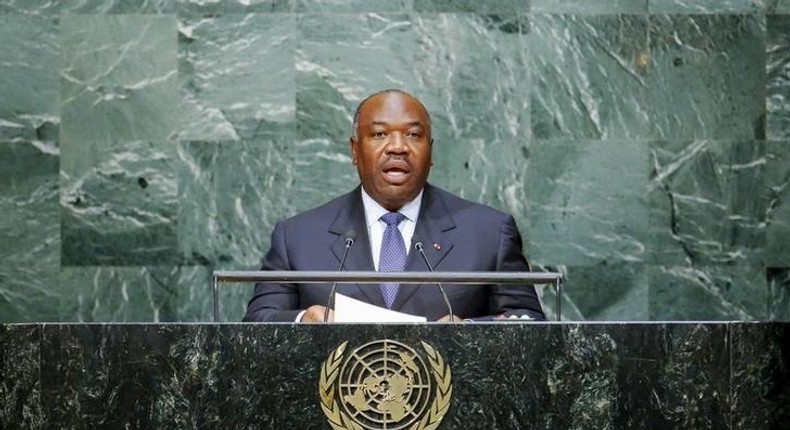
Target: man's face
[(392, 149)]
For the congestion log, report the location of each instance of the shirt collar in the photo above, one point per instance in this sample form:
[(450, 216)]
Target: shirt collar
[(374, 211)]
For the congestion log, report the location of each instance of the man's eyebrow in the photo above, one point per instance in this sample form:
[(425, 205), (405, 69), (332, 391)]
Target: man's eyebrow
[(410, 124)]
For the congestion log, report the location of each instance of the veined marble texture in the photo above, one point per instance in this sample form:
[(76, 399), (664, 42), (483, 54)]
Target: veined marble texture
[(354, 6), (778, 74), (722, 57), (706, 202), (586, 202), (604, 292), (457, 52), (30, 108), (777, 186), (20, 380), (108, 293), (49, 7), (472, 6), (759, 370), (205, 7), (641, 145), (778, 294), (574, 375), (30, 237), (236, 75), (118, 78), (635, 291), (481, 132), (590, 76), (589, 6), (708, 293), (119, 203), (709, 6), (377, 52)]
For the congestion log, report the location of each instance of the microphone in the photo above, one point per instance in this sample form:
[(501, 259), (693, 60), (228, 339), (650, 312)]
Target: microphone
[(350, 236), (420, 248)]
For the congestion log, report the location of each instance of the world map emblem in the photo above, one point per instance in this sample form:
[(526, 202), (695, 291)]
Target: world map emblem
[(385, 384)]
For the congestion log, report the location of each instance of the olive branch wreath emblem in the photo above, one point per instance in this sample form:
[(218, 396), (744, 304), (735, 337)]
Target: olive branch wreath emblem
[(339, 420)]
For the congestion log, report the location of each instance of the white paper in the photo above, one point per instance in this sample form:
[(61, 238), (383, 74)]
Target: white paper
[(348, 310)]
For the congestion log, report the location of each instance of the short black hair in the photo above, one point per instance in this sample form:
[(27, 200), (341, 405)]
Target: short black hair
[(355, 123)]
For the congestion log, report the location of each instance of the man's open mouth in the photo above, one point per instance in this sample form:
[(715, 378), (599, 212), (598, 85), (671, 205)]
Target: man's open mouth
[(396, 174)]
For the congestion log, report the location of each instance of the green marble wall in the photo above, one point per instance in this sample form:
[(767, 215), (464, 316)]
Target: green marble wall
[(642, 145)]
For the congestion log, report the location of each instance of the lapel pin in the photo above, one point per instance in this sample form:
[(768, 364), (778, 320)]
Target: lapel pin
[(437, 247)]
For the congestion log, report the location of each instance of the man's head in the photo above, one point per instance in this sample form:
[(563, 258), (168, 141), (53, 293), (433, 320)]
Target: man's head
[(391, 147)]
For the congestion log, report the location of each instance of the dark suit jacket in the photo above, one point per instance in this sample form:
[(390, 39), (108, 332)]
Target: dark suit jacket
[(459, 235)]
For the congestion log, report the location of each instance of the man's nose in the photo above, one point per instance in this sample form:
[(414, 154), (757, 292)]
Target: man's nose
[(397, 144)]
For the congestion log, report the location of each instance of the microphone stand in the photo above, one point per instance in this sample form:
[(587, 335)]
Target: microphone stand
[(419, 247), (330, 301)]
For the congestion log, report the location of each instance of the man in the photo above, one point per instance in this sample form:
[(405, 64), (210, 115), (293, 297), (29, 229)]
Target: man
[(393, 209)]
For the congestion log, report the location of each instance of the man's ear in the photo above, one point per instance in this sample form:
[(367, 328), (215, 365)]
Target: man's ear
[(353, 144)]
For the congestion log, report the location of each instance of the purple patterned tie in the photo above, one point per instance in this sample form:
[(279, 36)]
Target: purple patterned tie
[(393, 254)]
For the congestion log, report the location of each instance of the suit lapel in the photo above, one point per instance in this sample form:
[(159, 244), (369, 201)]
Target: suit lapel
[(433, 225), (351, 218)]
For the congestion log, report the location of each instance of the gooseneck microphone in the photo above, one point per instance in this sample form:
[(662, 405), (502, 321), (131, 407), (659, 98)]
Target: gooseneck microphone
[(350, 236), (420, 248)]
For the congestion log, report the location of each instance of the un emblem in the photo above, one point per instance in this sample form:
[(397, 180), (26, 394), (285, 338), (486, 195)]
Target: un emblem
[(384, 384)]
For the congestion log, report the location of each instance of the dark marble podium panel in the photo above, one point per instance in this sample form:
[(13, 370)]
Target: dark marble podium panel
[(505, 376)]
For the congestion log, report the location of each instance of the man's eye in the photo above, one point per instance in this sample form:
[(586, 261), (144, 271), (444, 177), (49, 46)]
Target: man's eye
[(379, 134), (414, 135)]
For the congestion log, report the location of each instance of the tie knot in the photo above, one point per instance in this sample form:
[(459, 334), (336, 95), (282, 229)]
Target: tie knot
[(393, 218)]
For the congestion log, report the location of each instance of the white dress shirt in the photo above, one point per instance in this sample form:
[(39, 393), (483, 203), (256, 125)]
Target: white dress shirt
[(376, 227)]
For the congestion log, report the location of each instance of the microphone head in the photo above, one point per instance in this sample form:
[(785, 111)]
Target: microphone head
[(350, 236), (417, 243)]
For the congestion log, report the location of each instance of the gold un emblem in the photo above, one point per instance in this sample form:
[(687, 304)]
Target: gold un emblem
[(385, 384)]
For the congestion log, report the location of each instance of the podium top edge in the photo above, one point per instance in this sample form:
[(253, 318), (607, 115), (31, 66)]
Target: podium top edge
[(358, 277)]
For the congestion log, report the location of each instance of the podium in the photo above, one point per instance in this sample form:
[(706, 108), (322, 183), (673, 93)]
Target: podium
[(693, 375)]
